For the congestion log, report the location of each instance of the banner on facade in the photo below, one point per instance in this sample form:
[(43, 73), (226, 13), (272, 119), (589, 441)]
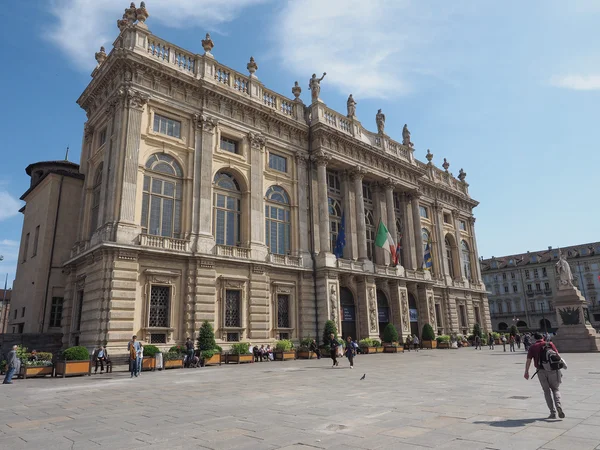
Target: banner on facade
[(384, 315), (348, 313), (414, 315)]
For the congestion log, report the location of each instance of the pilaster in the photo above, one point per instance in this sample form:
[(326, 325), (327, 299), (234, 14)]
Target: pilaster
[(257, 209), (324, 242), (303, 213), (205, 295), (259, 304), (408, 239), (361, 228), (416, 216), (367, 308)]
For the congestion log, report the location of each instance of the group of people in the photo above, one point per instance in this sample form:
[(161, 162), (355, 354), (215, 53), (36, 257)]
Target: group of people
[(262, 353), (336, 349), (136, 356), (514, 341), (412, 341)]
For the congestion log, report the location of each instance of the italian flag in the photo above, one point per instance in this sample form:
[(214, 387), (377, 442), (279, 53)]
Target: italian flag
[(385, 241)]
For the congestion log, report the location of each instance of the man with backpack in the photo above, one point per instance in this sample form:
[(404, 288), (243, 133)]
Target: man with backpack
[(548, 363)]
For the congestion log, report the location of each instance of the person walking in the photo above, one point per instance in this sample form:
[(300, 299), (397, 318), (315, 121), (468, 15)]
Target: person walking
[(477, 343), (491, 341), (189, 348), (511, 342), (315, 349), (503, 339), (133, 346), (548, 362), (518, 341), (350, 351), (13, 364), (140, 358), (407, 342), (526, 341), (333, 349), (416, 343)]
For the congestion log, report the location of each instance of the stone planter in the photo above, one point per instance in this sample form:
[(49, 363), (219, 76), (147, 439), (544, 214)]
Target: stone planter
[(429, 344), (149, 363), (36, 371), (284, 355), (240, 359), (369, 350), (443, 345), (393, 349), (305, 354), (173, 364), (72, 368), (215, 360), (378, 349)]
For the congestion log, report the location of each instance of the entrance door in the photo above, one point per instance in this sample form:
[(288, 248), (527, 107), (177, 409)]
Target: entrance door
[(383, 310), (414, 315), (348, 313)]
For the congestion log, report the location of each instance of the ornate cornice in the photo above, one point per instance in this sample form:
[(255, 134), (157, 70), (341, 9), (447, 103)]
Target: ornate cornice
[(257, 140), (205, 122)]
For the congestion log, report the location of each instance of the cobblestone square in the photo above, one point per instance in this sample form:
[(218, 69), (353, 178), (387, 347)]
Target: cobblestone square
[(447, 399)]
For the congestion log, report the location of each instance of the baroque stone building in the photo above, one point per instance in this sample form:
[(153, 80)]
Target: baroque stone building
[(207, 196), (521, 287)]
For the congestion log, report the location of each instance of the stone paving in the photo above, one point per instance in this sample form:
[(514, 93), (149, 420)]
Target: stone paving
[(462, 399)]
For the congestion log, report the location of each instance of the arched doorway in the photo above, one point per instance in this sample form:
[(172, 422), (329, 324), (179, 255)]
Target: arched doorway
[(414, 315), (348, 313), (545, 325), (521, 324), (502, 326), (383, 311)]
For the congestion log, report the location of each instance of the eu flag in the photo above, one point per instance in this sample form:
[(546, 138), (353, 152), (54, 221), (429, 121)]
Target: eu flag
[(427, 257), (340, 242)]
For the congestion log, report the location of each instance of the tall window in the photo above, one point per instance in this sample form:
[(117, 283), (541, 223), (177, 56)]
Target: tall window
[(544, 272), (335, 207), (277, 220), (25, 248), (161, 199), (159, 306), (371, 234), (277, 162), (233, 308), (164, 125), (466, 259), (283, 311), (399, 228), (423, 212), (449, 256), (36, 238), (96, 189), (79, 310), (56, 312), (227, 216)]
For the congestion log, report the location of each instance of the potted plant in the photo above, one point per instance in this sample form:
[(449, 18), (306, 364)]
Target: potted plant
[(390, 339), (366, 346), (173, 359), (240, 353), (39, 367), (443, 341), (149, 361), (496, 337), (284, 350), (210, 352), (304, 351), (73, 361), (428, 337), (378, 346)]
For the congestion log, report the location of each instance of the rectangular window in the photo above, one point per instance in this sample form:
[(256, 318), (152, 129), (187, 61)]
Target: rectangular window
[(233, 308), (535, 273), (233, 337), (508, 307), (25, 248), (547, 286), (333, 182), (159, 306), (500, 308), (36, 237), (23, 312), (506, 289), (423, 212), (447, 218), (512, 275), (103, 138), (277, 162), (463, 225), (438, 318), (15, 315), (164, 125), (515, 288), (544, 272), (504, 276), (527, 274), (79, 310), (56, 312), (283, 311), (229, 145), (538, 287), (158, 338), (529, 287)]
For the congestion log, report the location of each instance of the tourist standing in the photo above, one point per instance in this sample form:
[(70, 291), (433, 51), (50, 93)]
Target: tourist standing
[(518, 341), (503, 339), (491, 341), (350, 351), (333, 348), (408, 342), (133, 346), (477, 342), (189, 348), (140, 358), (416, 342), (315, 348), (511, 341), (13, 364), (547, 361)]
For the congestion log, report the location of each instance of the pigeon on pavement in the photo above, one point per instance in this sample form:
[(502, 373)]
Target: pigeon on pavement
[(363, 377)]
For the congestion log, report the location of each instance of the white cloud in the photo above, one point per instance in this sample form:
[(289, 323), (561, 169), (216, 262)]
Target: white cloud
[(82, 26), (374, 49), (9, 206), (577, 82)]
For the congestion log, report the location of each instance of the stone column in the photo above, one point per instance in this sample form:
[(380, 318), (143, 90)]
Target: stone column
[(324, 236), (389, 186), (458, 237), (416, 216), (477, 272), (202, 187), (408, 241), (367, 308), (379, 255), (348, 205), (88, 134), (302, 229), (400, 314), (361, 226), (257, 196), (128, 228), (441, 247)]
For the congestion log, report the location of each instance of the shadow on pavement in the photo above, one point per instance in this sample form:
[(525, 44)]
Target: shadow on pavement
[(510, 423)]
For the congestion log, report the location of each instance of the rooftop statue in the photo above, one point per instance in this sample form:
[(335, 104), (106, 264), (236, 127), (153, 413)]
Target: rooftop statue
[(406, 137), (314, 84), (380, 120), (351, 104)]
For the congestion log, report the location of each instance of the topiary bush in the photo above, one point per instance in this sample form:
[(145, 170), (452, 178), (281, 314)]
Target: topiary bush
[(366, 342), (390, 334), (151, 350), (76, 354), (207, 354), (514, 330), (477, 330), (305, 343), (428, 333), (444, 338), (376, 343), (284, 345), (240, 348), (329, 328), (206, 337)]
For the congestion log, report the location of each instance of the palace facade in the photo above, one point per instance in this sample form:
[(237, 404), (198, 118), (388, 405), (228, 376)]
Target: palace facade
[(203, 195)]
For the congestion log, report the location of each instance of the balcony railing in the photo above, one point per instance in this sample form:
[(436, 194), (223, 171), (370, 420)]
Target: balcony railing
[(232, 252), (166, 243), (349, 264), (285, 260)]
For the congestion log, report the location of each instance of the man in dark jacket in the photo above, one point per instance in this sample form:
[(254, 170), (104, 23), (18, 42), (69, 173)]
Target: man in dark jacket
[(315, 348), (333, 345), (13, 364)]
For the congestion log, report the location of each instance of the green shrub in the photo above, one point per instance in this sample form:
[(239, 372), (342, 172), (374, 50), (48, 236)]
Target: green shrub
[(376, 343), (390, 334), (218, 349), (305, 343), (207, 354), (38, 363), (284, 345), (496, 335), (44, 356), (427, 334), (477, 330), (329, 328), (514, 330), (22, 352), (444, 338), (206, 337), (3, 365), (484, 340), (151, 350), (178, 349), (241, 348), (366, 342), (76, 354), (170, 356)]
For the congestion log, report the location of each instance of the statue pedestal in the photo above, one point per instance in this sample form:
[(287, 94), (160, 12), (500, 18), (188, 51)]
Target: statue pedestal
[(574, 334)]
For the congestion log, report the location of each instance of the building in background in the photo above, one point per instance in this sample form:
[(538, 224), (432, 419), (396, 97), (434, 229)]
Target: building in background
[(521, 287), (203, 195), (5, 295)]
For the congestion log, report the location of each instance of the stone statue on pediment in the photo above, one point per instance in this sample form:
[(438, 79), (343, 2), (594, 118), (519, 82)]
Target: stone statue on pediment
[(406, 137), (380, 120), (564, 270), (314, 84), (351, 104)]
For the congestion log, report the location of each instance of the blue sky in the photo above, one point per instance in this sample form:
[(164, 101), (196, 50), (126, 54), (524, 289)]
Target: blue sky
[(509, 91)]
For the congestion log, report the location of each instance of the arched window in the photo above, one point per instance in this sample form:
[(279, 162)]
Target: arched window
[(96, 189), (449, 256), (335, 220), (466, 259), (370, 231), (161, 198), (277, 220), (227, 209)]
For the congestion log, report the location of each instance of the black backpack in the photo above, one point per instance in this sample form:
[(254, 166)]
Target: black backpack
[(549, 359)]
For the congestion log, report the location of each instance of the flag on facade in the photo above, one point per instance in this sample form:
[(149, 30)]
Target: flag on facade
[(385, 241), (340, 242), (398, 250), (427, 257)]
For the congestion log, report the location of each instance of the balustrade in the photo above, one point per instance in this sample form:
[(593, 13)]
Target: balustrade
[(166, 243), (233, 252)]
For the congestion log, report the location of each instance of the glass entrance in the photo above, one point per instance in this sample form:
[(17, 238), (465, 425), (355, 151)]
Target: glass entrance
[(383, 311), (414, 315), (348, 314)]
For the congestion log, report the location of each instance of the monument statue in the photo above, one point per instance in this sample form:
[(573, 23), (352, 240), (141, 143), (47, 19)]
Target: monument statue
[(380, 119), (351, 104), (406, 137), (372, 310), (314, 84), (564, 270), (334, 303)]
